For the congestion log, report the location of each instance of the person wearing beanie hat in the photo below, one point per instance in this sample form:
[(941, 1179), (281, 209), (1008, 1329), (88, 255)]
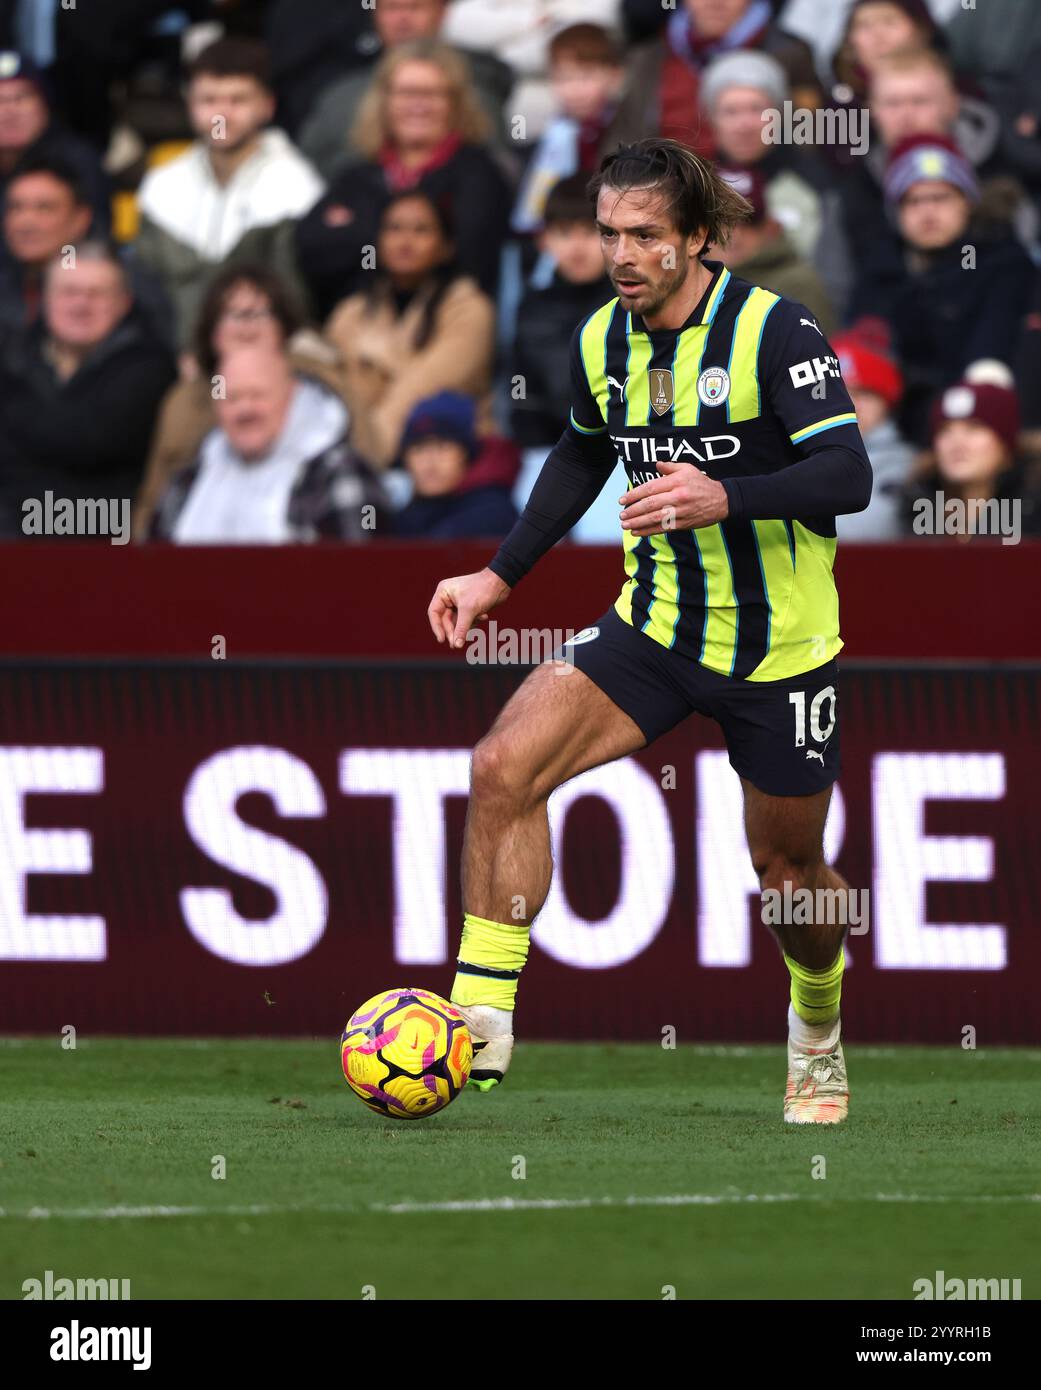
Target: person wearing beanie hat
[(30, 132), (951, 287), (739, 93), (762, 251), (921, 159), (912, 91), (875, 385), (975, 485), (461, 486), (448, 417), (983, 404), (744, 69)]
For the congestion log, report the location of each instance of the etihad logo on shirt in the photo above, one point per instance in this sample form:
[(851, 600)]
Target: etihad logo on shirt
[(635, 448)]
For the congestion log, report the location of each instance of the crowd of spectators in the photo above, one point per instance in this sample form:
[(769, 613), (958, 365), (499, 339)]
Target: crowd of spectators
[(285, 270)]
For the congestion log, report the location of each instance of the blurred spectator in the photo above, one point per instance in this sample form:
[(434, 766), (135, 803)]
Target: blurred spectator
[(875, 387), (762, 252), (45, 211), (664, 87), (276, 469), (234, 195), (824, 26), (29, 131), (245, 306), (549, 315), (419, 327), (952, 289), (1019, 106), (419, 127), (738, 90), (519, 33), (992, 42), (974, 460), (587, 74), (79, 390), (874, 31), (312, 44), (327, 138), (911, 92), (461, 486), (88, 53)]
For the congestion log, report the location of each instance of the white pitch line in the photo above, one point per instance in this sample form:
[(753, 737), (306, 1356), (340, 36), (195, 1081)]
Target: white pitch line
[(496, 1204)]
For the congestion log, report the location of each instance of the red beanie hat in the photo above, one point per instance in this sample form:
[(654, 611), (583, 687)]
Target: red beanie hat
[(997, 407), (864, 357)]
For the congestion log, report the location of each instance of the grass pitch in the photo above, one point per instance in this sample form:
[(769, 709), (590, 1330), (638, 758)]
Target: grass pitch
[(107, 1156)]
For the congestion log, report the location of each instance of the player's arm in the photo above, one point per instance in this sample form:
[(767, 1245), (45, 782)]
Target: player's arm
[(801, 378), (570, 482)]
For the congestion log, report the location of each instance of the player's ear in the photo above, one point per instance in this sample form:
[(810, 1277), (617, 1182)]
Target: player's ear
[(698, 243)]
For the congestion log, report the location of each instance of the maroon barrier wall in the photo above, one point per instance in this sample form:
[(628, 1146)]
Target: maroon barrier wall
[(935, 600), (220, 848)]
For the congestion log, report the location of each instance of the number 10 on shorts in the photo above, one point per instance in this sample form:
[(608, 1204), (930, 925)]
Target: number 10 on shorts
[(819, 734)]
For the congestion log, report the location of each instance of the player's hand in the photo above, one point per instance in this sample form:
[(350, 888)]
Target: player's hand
[(682, 498), (457, 603)]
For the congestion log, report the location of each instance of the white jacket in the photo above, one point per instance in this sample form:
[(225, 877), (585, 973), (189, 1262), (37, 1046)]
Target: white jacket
[(184, 199)]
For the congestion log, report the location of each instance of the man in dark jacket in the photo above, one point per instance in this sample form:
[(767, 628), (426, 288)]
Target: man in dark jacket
[(79, 393), (461, 484), (549, 314), (45, 210), (952, 289)]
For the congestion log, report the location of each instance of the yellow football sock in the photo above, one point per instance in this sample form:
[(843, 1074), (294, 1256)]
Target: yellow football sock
[(816, 993), (491, 958)]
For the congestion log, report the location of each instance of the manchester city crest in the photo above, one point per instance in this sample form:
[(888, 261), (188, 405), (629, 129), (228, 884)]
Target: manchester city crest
[(713, 386)]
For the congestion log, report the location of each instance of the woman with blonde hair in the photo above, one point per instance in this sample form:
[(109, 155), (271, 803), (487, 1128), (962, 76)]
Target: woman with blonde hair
[(420, 126)]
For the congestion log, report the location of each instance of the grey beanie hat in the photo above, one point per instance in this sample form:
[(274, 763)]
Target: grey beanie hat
[(744, 68)]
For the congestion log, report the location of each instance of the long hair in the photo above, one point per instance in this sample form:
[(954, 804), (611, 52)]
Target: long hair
[(695, 194), (371, 129), (440, 279)]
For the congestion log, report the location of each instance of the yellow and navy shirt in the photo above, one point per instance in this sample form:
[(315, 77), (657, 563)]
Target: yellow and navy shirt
[(747, 387)]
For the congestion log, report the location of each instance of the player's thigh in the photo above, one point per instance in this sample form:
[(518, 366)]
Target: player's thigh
[(557, 725), (785, 833)]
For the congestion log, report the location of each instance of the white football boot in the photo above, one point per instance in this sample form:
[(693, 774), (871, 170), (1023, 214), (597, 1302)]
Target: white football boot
[(491, 1031), (817, 1092)]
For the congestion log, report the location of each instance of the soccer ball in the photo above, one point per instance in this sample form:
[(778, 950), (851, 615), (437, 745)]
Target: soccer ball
[(406, 1053)]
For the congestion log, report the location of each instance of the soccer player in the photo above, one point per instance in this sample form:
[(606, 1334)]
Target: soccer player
[(726, 406)]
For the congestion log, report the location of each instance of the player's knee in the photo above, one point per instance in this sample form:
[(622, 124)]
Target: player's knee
[(498, 774), (777, 870)]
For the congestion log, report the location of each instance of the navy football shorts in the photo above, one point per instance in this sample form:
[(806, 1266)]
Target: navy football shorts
[(783, 736)]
